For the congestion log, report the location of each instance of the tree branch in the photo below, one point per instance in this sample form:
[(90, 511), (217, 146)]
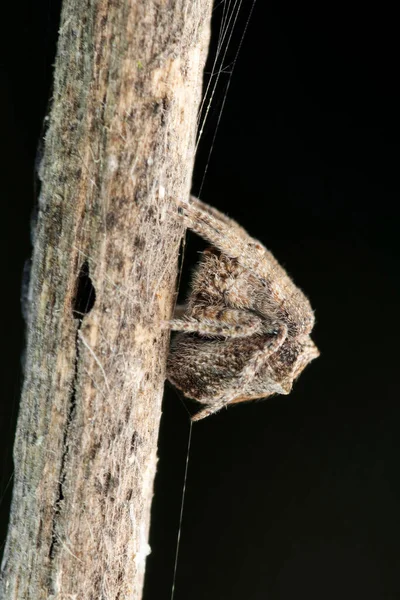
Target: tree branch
[(119, 147)]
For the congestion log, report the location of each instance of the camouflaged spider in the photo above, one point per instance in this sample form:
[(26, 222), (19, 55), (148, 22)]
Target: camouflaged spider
[(244, 332)]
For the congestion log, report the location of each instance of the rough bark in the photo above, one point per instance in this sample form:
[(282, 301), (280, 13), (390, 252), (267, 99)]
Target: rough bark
[(119, 147)]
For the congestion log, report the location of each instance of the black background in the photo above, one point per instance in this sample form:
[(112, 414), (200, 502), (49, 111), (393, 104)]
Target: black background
[(297, 496)]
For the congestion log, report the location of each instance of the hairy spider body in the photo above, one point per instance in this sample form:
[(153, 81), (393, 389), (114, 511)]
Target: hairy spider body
[(244, 332)]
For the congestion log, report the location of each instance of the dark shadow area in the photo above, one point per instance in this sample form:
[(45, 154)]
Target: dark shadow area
[(85, 294)]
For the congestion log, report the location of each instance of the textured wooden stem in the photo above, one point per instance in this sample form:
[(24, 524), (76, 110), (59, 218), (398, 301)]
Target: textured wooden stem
[(119, 147)]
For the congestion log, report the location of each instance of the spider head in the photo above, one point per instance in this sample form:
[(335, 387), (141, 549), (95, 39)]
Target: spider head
[(290, 360)]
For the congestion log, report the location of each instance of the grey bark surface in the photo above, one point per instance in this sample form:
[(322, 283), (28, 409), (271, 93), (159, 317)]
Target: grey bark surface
[(118, 149)]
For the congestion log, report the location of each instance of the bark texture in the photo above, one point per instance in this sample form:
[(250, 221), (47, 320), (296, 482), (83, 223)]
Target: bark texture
[(118, 149)]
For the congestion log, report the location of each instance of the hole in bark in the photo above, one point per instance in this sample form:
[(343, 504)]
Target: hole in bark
[(85, 295)]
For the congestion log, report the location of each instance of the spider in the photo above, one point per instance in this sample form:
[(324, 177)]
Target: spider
[(244, 332)]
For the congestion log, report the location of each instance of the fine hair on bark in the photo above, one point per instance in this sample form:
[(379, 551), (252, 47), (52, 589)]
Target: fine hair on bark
[(119, 147)]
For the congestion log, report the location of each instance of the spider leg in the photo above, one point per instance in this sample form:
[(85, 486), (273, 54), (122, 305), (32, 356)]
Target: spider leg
[(219, 216), (232, 240), (219, 321), (253, 365)]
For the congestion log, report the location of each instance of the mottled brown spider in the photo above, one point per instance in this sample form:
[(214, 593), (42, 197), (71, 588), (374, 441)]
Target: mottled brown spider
[(245, 330)]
